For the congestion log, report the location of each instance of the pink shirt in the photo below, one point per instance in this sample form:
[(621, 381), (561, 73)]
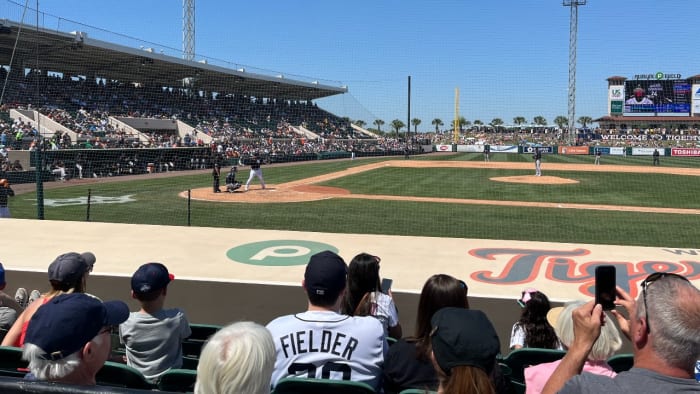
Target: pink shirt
[(537, 375)]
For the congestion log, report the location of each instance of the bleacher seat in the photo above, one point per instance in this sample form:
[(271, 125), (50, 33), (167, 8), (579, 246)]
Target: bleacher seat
[(520, 359), (11, 363), (10, 385), (121, 375), (202, 332), (321, 386), (621, 362), (178, 380)]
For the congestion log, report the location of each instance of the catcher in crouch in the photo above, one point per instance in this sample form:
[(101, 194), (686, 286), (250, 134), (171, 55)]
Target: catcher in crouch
[(231, 183)]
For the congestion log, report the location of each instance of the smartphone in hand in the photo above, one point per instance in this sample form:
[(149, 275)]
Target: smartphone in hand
[(386, 285), (605, 282)]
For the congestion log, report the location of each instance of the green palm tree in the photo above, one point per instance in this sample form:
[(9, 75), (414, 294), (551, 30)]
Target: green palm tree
[(462, 122), (519, 120), (496, 123), (378, 123), (539, 120), (584, 120), (397, 125), (415, 122), (561, 121), (360, 123), (478, 123), (437, 122)]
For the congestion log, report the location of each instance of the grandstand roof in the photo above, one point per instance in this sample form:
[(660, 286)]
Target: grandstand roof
[(76, 54)]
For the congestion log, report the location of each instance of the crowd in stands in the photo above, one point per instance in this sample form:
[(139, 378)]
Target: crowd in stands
[(351, 331)]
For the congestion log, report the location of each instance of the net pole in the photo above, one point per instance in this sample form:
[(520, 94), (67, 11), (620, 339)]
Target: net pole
[(455, 132)]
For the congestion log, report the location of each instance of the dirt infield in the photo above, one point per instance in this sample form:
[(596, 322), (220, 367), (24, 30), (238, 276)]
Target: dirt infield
[(307, 190)]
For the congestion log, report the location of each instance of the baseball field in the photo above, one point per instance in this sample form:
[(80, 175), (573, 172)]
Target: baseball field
[(625, 201)]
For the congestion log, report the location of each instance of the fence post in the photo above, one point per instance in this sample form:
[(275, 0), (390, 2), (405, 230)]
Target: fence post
[(87, 218), (189, 207)]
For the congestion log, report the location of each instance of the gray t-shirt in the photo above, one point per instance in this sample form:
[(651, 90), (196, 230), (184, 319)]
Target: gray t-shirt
[(154, 342), (636, 380)]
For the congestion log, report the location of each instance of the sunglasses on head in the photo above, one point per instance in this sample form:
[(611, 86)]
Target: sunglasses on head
[(647, 282)]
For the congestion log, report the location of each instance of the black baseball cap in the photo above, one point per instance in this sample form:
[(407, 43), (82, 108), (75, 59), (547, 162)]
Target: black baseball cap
[(326, 274), (150, 277), (462, 336), (68, 268)]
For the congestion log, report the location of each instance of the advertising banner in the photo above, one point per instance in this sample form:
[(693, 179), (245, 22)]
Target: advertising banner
[(686, 152), (696, 100), (573, 150), (543, 149), (504, 149), (646, 151), (470, 148), (443, 148)]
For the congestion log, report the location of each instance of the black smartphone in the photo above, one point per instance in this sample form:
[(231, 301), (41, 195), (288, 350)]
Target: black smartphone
[(605, 286), (386, 285)]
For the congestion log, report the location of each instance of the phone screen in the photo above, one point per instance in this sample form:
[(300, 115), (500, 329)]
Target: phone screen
[(386, 285), (605, 286)]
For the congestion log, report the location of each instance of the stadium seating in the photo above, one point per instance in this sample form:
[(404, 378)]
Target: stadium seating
[(20, 386), (621, 362), (321, 386), (178, 380), (11, 363), (520, 359), (202, 332), (121, 375)]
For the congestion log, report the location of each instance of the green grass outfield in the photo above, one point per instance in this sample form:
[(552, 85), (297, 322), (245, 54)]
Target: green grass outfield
[(157, 202)]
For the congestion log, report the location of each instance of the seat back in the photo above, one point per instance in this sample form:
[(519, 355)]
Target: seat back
[(321, 386), (417, 391), (11, 363), (202, 332), (121, 375), (178, 380), (520, 359), (621, 362)]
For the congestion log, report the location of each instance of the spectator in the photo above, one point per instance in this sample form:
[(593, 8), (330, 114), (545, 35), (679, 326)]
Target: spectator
[(464, 349), (66, 341), (5, 192), (364, 296), (153, 336), (408, 361), (664, 328), (9, 308), (607, 344), (67, 274), (533, 330), (321, 342), (239, 358)]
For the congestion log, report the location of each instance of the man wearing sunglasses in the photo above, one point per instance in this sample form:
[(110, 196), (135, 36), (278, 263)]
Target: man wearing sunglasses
[(664, 328)]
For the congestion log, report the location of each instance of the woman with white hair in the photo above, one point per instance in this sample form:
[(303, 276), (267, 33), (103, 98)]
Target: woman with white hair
[(607, 344), (239, 358)]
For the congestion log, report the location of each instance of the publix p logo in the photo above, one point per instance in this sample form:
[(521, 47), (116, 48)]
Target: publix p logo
[(278, 252)]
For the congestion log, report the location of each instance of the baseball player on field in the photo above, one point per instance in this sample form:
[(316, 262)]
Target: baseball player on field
[(538, 162), (255, 171), (321, 342)]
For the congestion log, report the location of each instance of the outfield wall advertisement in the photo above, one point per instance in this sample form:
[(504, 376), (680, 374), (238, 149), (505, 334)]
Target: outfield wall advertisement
[(685, 152)]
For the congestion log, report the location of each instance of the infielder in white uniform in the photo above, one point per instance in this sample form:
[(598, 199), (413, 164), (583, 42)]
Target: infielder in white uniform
[(255, 171), (322, 343)]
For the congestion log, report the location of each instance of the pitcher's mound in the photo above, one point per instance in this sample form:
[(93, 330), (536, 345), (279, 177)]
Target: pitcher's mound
[(532, 179)]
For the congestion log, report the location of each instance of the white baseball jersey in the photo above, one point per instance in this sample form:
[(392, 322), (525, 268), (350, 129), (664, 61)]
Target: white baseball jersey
[(328, 345)]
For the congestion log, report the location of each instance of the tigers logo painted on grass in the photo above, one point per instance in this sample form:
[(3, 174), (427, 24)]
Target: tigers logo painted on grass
[(278, 252), (63, 202)]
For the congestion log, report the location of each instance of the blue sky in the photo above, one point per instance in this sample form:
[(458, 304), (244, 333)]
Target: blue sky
[(508, 58)]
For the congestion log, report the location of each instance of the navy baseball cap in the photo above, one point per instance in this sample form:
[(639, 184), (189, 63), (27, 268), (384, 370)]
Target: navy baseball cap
[(89, 259), (150, 277), (67, 322), (326, 274), (68, 268), (462, 336)]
